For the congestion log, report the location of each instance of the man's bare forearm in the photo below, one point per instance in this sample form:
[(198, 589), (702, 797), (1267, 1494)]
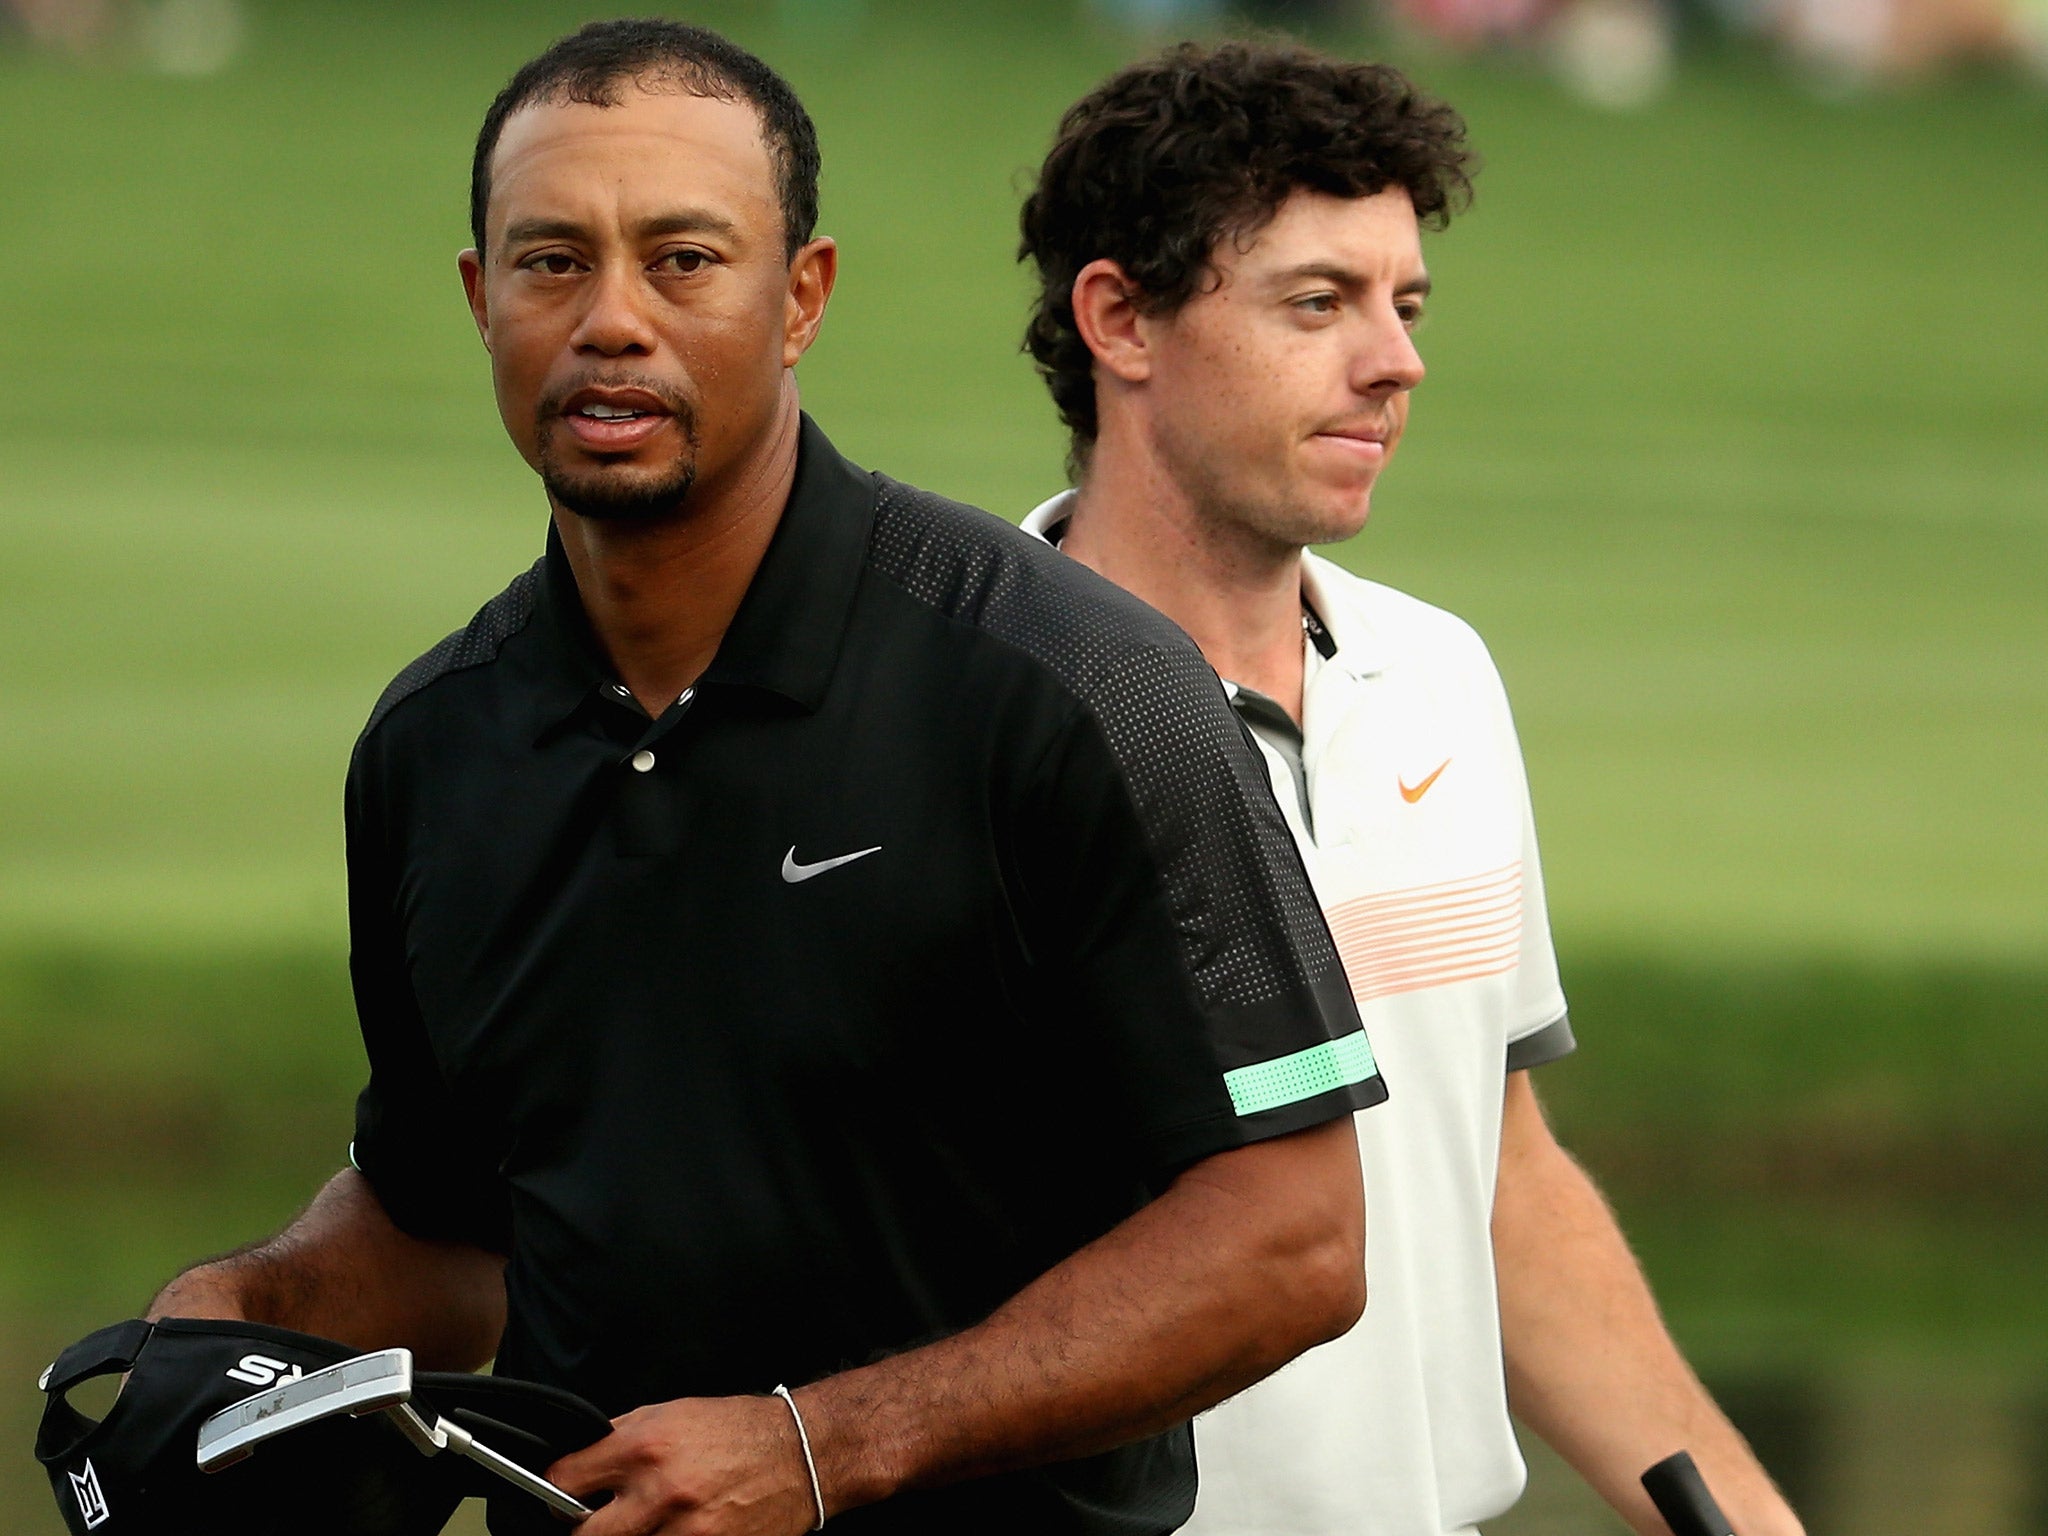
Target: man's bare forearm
[(1248, 1259), (1591, 1367), (344, 1271)]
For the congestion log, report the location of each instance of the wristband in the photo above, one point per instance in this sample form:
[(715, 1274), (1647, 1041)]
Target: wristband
[(803, 1439)]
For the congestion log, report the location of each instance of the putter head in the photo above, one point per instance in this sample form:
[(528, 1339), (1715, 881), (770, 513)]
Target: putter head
[(366, 1384)]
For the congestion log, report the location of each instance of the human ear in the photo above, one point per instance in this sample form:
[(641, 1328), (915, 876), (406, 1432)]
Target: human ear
[(811, 276), (471, 265), (1106, 314)]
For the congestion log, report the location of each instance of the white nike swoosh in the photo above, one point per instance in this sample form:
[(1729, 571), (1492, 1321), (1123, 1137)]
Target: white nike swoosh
[(794, 872)]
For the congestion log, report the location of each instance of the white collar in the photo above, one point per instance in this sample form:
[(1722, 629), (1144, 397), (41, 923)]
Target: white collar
[(1044, 521)]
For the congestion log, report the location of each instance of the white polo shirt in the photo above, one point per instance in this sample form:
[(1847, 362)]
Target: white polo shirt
[(1422, 848)]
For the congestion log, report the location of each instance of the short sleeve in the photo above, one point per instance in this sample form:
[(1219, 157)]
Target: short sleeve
[(1206, 999), (427, 1163), (1539, 1028)]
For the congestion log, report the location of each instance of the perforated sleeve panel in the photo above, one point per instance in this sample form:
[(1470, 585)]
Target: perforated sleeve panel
[(471, 646), (1248, 921)]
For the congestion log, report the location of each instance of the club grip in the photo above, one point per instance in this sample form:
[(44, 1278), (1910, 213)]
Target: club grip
[(1680, 1494)]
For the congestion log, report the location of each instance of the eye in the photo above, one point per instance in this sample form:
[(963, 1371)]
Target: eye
[(551, 263), (1410, 311), (684, 262), (1317, 304)]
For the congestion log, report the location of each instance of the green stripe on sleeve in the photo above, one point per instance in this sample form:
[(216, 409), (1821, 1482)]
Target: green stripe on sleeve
[(1290, 1079)]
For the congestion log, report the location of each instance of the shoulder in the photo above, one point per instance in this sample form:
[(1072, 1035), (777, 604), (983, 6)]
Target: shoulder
[(476, 644), (1402, 628), (1105, 646)]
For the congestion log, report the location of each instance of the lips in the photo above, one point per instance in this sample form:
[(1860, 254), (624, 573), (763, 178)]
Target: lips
[(1364, 450), (614, 420), (1368, 434), (1364, 445)]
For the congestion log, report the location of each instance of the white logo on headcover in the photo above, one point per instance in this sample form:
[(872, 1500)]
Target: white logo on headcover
[(261, 1371), (91, 1502), (794, 872)]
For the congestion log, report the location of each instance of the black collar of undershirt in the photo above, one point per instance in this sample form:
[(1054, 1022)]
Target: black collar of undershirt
[(785, 638), (1261, 710)]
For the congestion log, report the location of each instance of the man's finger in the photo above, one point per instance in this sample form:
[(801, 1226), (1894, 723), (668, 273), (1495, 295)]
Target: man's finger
[(624, 1516), (598, 1465), (621, 1517)]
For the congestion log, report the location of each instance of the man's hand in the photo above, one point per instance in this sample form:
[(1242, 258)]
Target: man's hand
[(705, 1466)]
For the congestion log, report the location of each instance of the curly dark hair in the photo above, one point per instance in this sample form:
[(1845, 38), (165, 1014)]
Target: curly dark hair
[(1164, 160), (589, 65)]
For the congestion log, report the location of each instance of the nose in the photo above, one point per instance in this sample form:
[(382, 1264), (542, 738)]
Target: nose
[(1388, 362), (614, 322)]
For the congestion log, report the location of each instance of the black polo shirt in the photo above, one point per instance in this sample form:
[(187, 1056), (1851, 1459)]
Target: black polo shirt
[(923, 940)]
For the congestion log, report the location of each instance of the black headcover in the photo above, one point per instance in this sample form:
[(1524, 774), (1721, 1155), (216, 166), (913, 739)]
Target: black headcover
[(136, 1473)]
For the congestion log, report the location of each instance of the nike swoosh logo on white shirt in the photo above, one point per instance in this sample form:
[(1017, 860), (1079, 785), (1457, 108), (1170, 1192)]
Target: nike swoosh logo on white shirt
[(796, 873)]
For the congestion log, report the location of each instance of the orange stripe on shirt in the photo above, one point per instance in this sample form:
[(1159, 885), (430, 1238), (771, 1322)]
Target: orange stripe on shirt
[(1430, 935)]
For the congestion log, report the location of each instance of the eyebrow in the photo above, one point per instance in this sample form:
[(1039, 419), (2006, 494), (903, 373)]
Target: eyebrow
[(1345, 277), (681, 221)]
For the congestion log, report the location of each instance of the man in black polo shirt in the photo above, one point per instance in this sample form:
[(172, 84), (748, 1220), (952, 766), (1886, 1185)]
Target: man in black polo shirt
[(804, 931)]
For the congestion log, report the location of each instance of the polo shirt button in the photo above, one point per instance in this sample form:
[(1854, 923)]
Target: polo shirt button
[(642, 761)]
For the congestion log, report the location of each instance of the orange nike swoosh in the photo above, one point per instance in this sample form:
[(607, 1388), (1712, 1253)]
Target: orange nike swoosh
[(1415, 794)]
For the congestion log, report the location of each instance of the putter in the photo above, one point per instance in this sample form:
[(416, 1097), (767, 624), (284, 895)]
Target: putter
[(380, 1382)]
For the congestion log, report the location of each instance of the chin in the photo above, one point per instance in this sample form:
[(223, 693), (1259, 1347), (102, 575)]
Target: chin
[(623, 495), (1332, 522), (1336, 533)]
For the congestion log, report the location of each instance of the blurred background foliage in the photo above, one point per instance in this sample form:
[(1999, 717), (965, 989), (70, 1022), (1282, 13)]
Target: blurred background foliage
[(1733, 446)]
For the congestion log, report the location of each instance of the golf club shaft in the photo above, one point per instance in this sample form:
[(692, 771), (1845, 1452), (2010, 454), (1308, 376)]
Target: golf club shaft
[(463, 1443)]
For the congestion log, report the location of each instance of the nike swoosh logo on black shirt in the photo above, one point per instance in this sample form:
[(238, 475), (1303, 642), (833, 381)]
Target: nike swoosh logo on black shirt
[(796, 873)]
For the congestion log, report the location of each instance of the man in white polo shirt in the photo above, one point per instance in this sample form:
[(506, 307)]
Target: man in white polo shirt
[(1228, 247)]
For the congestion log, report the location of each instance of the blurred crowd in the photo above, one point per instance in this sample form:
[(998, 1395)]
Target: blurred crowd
[(1620, 53), (1616, 53), (174, 37)]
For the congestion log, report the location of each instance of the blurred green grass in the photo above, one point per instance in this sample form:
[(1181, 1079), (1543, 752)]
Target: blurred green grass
[(1732, 446), (1809, 1162)]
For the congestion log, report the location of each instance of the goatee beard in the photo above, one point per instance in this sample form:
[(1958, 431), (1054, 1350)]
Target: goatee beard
[(619, 493), (611, 495)]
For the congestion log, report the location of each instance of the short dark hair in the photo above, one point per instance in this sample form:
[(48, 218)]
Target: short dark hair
[(588, 67), (1164, 160)]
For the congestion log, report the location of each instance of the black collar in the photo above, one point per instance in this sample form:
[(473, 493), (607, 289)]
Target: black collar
[(1317, 631), (785, 638)]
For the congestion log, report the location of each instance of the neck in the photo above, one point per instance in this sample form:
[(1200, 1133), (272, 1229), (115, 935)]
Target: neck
[(660, 595), (1237, 596)]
